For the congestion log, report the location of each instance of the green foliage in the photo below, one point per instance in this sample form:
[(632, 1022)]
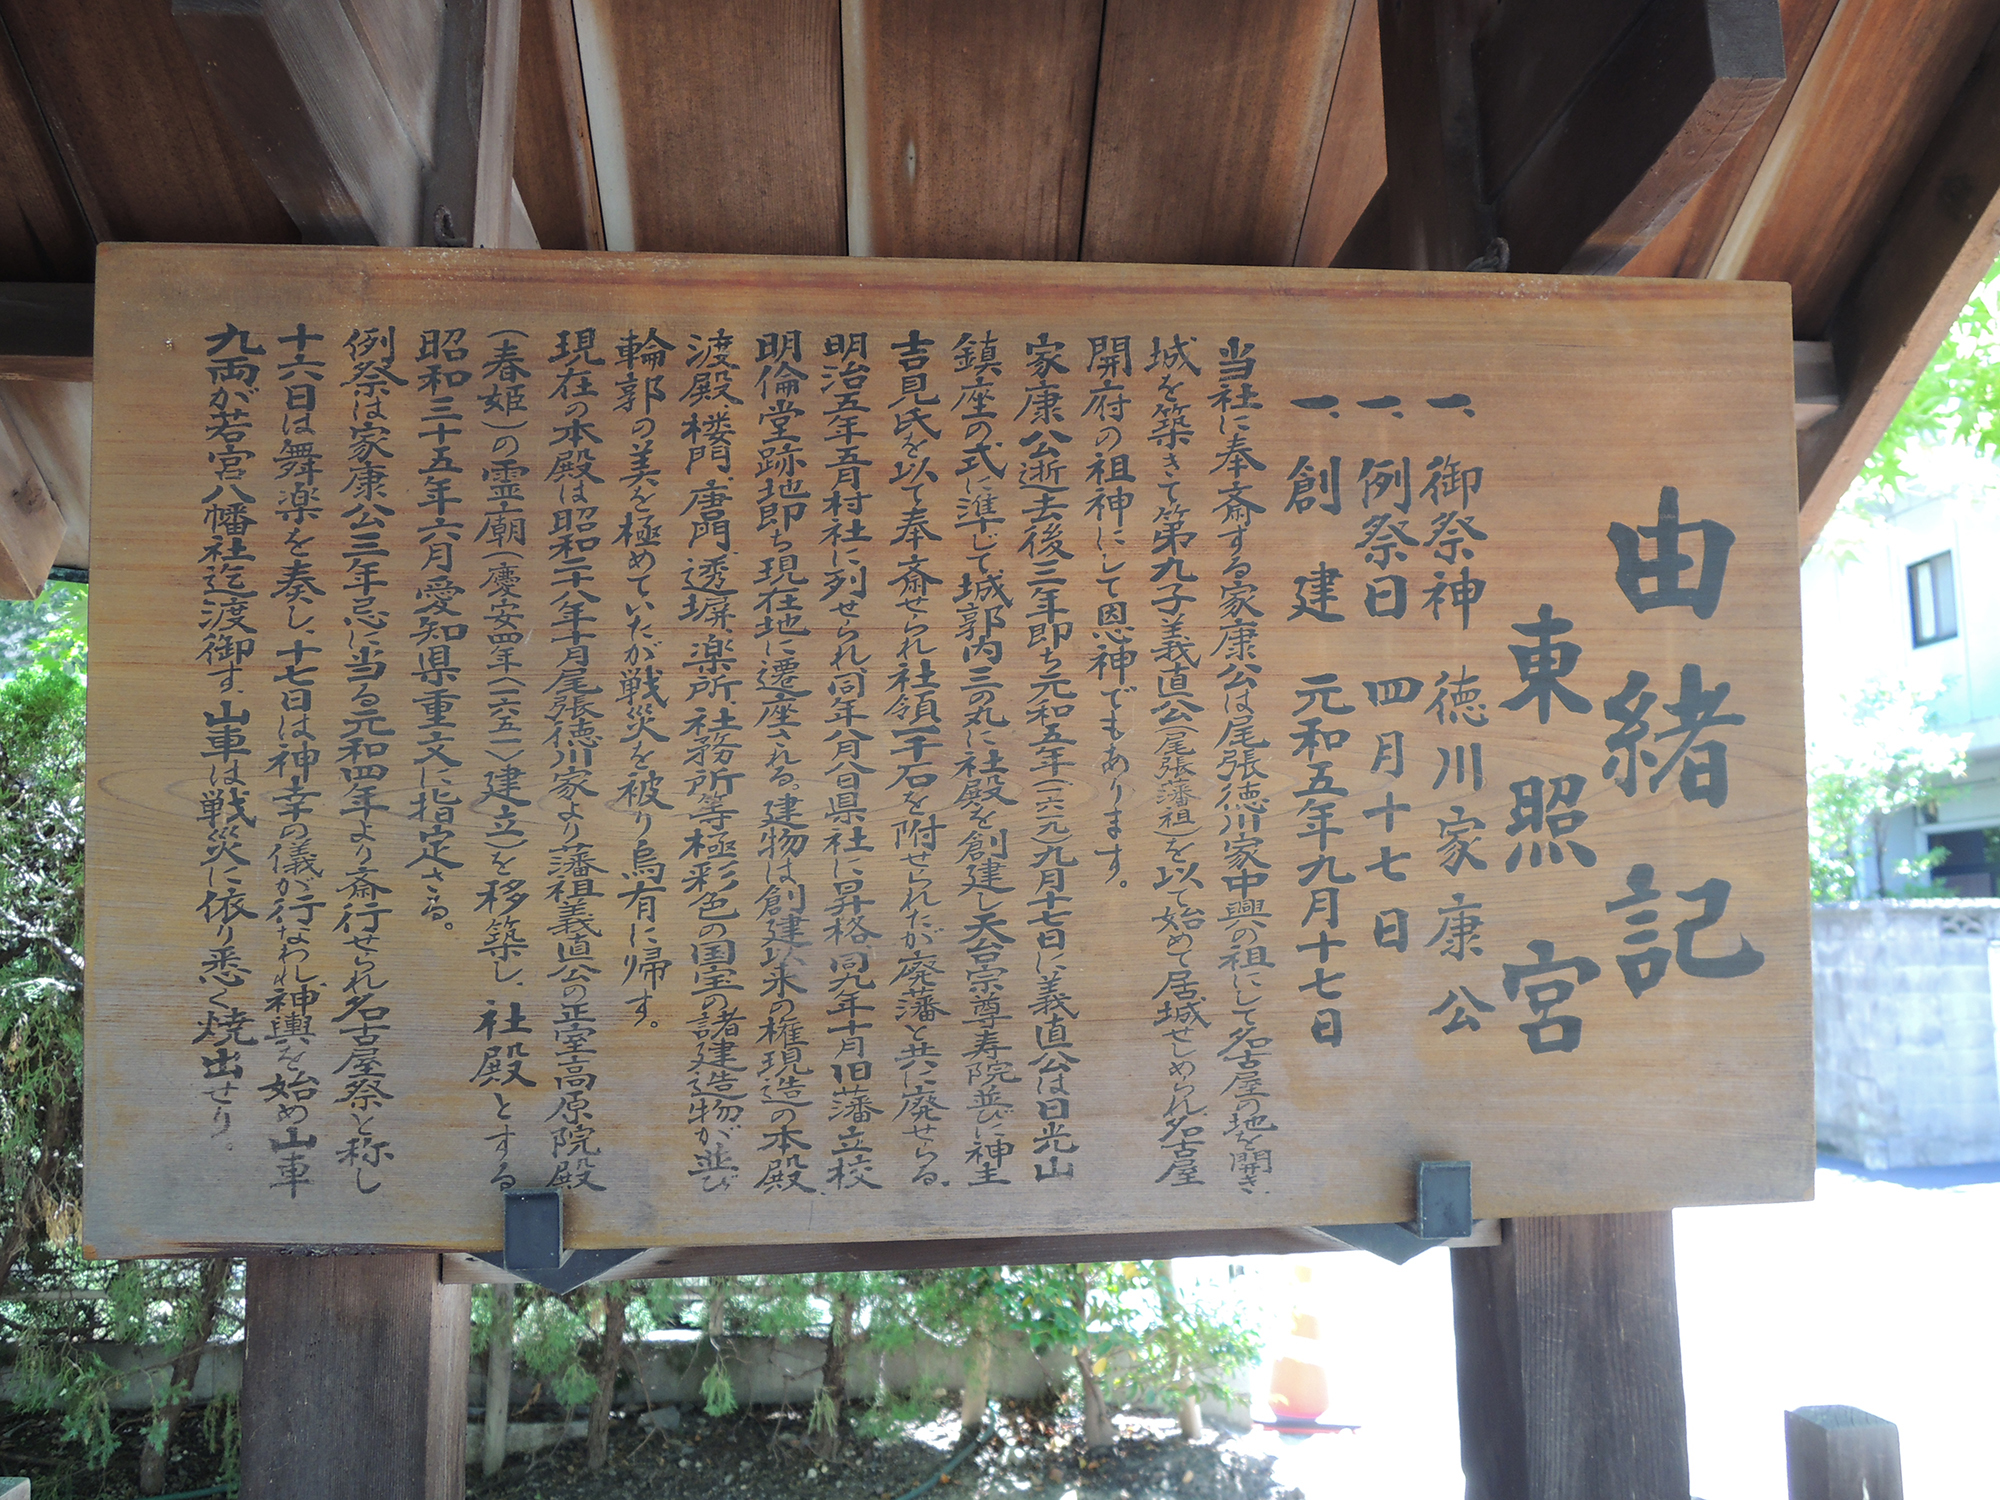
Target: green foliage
[(550, 1333), (1956, 400), (718, 1391), (1886, 754), (50, 631), (41, 965)]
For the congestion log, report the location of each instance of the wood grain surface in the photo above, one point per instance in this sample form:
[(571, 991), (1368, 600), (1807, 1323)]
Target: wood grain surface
[(743, 826)]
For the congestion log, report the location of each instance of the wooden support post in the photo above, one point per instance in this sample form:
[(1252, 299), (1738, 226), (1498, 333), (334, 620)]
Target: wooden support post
[(1569, 1355), (354, 1379), (1841, 1453), (1435, 203), (1569, 1361)]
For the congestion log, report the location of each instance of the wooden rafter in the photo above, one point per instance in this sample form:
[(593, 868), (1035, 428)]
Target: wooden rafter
[(31, 525), (1352, 163), (1665, 105), (326, 110), (1941, 238), (294, 80)]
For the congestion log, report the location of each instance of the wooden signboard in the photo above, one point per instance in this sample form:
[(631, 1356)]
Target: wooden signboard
[(825, 750)]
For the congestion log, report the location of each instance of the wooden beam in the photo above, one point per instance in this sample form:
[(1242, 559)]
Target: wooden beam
[(52, 421), (468, 193), (1435, 206), (920, 1255), (1815, 386), (1875, 93), (969, 127), (1941, 239), (1665, 106), (45, 330), (1569, 1368), (1210, 115), (1688, 244), (1367, 243), (31, 524), (555, 164), (1841, 1453), (354, 1372), (1529, 65), (1353, 161), (293, 79), (45, 238)]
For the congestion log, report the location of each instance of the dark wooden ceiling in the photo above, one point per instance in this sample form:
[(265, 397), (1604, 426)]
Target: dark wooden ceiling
[(1243, 132)]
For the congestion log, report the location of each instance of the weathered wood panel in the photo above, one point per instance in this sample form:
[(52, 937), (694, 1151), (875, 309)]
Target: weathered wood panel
[(705, 812), (146, 150), (730, 118), (970, 127), (1208, 126)]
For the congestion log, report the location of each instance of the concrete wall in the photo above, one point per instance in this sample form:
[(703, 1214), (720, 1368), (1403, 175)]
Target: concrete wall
[(764, 1371), (1903, 1031)]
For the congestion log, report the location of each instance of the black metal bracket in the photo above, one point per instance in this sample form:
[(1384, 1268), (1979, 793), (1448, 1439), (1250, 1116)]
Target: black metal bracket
[(534, 1244), (1444, 1212)]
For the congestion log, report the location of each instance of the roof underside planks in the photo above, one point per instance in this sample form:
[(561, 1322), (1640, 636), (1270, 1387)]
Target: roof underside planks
[(1182, 130)]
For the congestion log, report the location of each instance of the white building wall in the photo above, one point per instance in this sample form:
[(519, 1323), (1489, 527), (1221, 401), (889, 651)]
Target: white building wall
[(1856, 611)]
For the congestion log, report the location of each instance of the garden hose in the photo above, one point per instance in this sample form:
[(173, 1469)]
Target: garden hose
[(957, 1458)]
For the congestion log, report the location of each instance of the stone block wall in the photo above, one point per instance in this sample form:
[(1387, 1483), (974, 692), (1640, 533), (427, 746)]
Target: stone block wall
[(1903, 1031)]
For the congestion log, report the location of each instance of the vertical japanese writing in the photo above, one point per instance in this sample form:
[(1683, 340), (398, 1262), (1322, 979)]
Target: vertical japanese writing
[(784, 832), (365, 732), (844, 382), (295, 902), (640, 386), (1112, 657), (1042, 475), (982, 772), (1241, 772), (917, 738), (228, 641), (573, 714), (710, 736), (501, 1021), (1180, 1006), (438, 624)]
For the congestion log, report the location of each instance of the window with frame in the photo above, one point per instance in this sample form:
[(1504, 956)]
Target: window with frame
[(1933, 602)]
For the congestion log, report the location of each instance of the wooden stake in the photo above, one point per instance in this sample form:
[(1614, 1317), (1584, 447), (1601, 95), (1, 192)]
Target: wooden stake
[(1841, 1453)]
